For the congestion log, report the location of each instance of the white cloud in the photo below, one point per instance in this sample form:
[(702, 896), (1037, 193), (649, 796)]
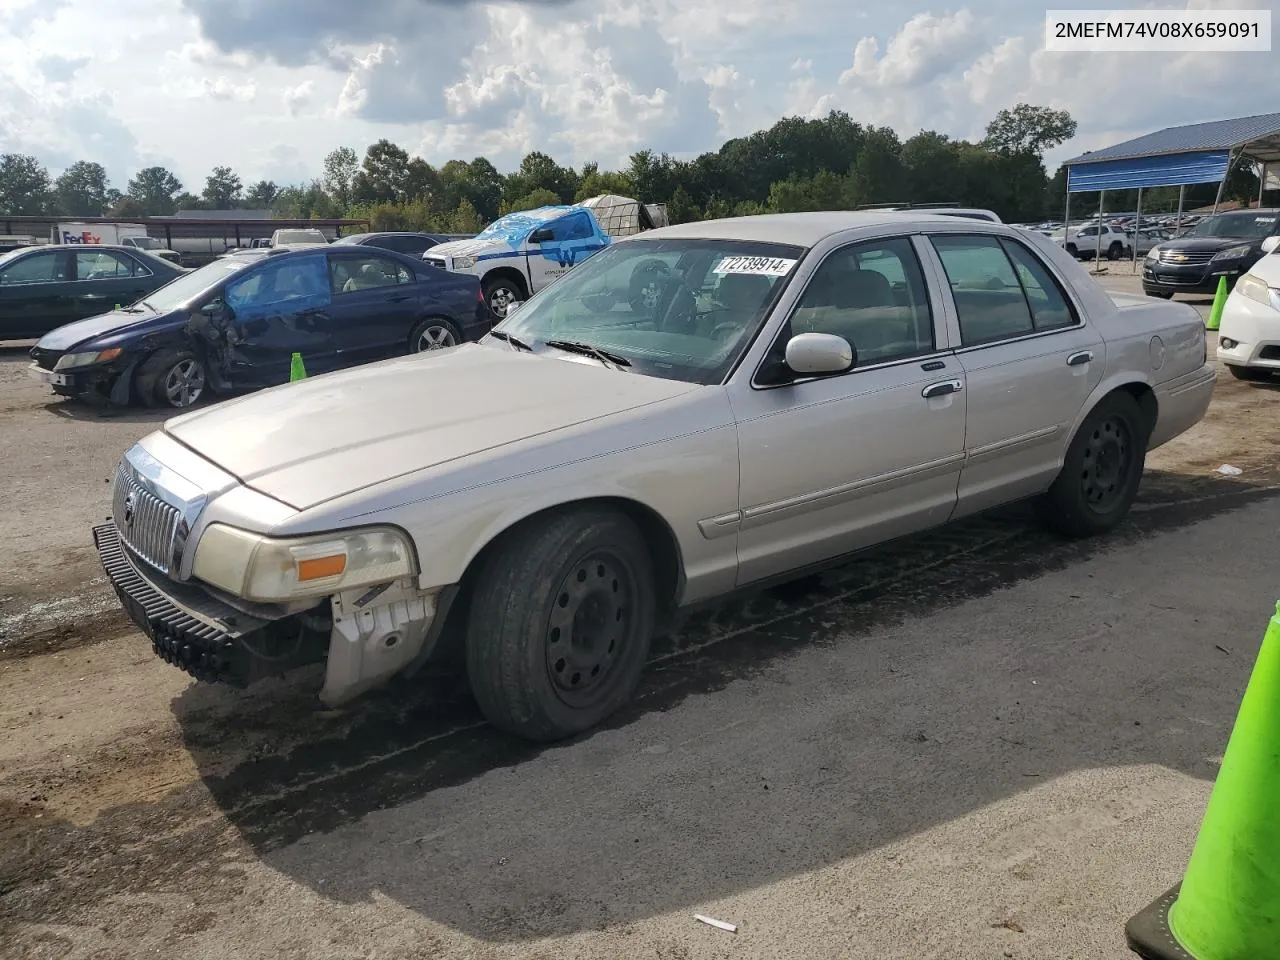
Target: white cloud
[(579, 81)]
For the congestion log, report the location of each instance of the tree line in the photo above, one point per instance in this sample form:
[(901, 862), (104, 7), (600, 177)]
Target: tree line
[(797, 164)]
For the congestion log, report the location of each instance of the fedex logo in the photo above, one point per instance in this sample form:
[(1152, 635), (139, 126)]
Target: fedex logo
[(85, 237)]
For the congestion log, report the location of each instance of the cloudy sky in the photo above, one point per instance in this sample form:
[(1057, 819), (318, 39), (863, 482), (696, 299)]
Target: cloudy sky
[(269, 86)]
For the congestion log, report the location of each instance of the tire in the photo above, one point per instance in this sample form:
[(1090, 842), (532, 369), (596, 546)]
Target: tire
[(1072, 251), (500, 291), (1101, 472), (1115, 251), (1249, 374), (527, 673), (159, 379), (434, 333)]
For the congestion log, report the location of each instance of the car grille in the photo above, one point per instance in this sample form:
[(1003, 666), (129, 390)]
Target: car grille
[(1187, 257), (146, 523), (437, 262)]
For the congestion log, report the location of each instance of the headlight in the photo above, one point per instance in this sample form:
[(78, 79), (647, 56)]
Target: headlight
[(268, 569), (463, 263), (1153, 253), (69, 361), (1233, 253), (1256, 289)]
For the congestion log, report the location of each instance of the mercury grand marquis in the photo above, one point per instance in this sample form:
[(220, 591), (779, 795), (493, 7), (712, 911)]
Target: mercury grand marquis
[(698, 410)]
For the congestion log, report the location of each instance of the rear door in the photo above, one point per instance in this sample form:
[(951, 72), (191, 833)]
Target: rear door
[(1030, 364), (375, 306), (105, 279), (34, 295), (277, 309)]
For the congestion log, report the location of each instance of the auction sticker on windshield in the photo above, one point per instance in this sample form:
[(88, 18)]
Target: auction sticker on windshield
[(760, 266)]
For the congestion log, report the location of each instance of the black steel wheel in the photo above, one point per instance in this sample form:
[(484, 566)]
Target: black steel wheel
[(1101, 471), (560, 623)]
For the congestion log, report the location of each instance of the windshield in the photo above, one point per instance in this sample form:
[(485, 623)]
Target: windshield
[(146, 243), (180, 292), (677, 309), (300, 236), (1251, 225)]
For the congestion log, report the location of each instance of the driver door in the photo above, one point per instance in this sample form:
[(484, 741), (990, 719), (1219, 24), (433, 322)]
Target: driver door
[(572, 238), (276, 310), (833, 464)]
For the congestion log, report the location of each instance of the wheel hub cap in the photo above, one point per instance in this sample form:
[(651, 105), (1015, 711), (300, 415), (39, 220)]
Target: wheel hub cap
[(184, 384), (587, 629), (1106, 465)]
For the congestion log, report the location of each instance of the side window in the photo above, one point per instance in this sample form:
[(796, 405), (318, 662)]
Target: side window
[(987, 294), (575, 226), (1089, 232), (38, 268), (353, 274), (280, 287), (106, 265), (874, 295), (1050, 309)]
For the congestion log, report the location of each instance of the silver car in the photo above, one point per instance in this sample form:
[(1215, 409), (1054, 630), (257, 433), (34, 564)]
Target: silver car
[(696, 410)]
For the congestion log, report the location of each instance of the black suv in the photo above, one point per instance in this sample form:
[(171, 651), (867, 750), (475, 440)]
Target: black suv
[(1224, 245)]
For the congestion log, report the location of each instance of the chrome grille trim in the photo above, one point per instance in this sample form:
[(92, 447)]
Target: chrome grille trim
[(1189, 257), (147, 525)]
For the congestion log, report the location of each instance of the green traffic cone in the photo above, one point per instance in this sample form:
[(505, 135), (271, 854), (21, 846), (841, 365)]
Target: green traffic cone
[(296, 370), (1219, 301), (1228, 904)]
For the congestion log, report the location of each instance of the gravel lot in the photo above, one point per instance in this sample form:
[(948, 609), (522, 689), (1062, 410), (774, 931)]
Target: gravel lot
[(982, 742)]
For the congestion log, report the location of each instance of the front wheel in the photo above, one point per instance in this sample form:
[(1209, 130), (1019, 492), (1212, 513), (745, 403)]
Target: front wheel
[(434, 334), (500, 292), (172, 378), (560, 625), (1101, 472)]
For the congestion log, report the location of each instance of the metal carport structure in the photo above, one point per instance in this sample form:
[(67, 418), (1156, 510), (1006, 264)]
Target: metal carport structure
[(1177, 157)]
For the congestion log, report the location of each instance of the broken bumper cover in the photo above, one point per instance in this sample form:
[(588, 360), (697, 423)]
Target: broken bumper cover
[(194, 631)]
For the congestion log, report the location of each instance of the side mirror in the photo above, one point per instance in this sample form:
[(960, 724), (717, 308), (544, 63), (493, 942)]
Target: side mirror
[(819, 353), (214, 309), (1270, 244), (541, 236)]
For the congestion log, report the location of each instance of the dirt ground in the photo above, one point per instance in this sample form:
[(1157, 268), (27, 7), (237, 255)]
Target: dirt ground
[(981, 742)]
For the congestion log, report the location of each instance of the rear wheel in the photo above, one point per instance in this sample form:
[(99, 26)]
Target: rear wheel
[(172, 378), (1101, 472), (560, 624), (434, 333), (1115, 251)]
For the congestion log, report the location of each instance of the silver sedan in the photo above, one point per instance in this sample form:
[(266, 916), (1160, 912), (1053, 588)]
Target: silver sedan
[(697, 410)]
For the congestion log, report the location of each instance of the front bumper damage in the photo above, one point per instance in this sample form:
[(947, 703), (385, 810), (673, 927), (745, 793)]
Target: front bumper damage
[(363, 636)]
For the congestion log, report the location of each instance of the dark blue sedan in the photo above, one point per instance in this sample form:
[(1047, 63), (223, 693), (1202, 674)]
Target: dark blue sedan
[(235, 325)]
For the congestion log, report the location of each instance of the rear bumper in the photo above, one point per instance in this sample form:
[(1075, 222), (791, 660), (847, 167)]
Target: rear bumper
[(192, 630), (1182, 403)]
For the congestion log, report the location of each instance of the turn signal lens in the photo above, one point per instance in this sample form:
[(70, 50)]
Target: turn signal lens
[(317, 568)]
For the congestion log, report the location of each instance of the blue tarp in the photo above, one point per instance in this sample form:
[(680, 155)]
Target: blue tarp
[(577, 233), (1171, 170)]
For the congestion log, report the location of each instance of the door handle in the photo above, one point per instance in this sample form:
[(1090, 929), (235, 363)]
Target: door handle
[(1084, 356), (400, 299), (942, 388)]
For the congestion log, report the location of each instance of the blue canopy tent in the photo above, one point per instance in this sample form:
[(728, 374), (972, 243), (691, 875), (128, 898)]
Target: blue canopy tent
[(1176, 157)]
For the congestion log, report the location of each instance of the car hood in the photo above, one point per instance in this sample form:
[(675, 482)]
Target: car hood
[(80, 331), (1207, 244), (467, 248), (307, 442)]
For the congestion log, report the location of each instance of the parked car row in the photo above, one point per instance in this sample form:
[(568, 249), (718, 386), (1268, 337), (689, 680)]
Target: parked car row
[(776, 392)]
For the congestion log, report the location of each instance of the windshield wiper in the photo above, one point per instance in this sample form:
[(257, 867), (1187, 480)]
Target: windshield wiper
[(588, 350), (514, 341)]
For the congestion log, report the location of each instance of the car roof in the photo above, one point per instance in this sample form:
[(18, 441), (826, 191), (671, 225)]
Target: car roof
[(806, 229)]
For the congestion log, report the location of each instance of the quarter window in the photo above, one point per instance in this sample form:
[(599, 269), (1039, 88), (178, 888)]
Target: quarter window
[(352, 274), (1049, 307), (873, 295)]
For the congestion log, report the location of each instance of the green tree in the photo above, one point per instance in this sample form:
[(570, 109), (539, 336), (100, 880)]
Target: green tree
[(681, 208), (1029, 129), (262, 195), (340, 167), (539, 172), (154, 189), (465, 219), (81, 190), (595, 182), (24, 185), (538, 198), (222, 189), (421, 182), (384, 175), (877, 175), (128, 208), (822, 191)]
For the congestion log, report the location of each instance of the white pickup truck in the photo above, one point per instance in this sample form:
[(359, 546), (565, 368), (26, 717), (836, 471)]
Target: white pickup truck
[(519, 254)]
